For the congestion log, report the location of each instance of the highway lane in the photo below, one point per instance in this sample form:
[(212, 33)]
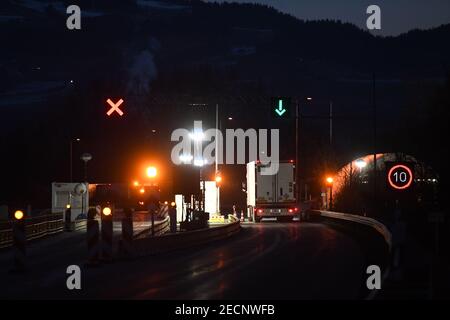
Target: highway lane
[(264, 261)]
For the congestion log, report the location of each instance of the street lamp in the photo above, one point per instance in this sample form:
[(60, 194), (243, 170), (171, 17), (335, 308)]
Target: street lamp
[(152, 172), (186, 158), (85, 157), (330, 181), (361, 164), (71, 155)]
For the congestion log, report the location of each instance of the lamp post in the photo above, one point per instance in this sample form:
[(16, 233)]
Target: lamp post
[(198, 136), (71, 156), (85, 157), (361, 164), (330, 181)]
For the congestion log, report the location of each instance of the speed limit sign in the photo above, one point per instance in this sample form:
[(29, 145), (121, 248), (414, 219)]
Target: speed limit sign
[(400, 176)]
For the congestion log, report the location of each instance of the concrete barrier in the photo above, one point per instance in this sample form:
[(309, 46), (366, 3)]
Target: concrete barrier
[(173, 241)]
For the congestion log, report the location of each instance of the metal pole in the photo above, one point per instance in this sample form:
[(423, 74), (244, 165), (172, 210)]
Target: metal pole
[(374, 142), (71, 175), (331, 198), (331, 123), (297, 177), (217, 129), (217, 154)]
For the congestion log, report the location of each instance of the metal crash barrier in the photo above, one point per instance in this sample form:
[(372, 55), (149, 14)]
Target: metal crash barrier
[(35, 228), (376, 237)]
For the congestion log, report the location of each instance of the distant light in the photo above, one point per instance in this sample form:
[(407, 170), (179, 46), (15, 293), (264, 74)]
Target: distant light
[(68, 206), (136, 183), (166, 202), (152, 172), (309, 98), (186, 158), (141, 203), (291, 210), (230, 118), (434, 180), (360, 163), (78, 139), (18, 215), (71, 81), (218, 179), (173, 204), (153, 130), (291, 161), (330, 180), (142, 191), (106, 211)]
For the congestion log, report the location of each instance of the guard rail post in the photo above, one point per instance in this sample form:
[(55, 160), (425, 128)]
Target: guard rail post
[(107, 233), (173, 217), (19, 242), (92, 238), (127, 234), (68, 219)]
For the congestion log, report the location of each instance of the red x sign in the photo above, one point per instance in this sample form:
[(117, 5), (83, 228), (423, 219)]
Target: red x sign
[(114, 107)]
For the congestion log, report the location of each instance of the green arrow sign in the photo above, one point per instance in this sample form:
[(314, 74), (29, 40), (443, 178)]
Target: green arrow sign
[(281, 107), (280, 111)]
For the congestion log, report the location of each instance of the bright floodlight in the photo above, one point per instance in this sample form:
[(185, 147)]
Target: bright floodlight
[(199, 162), (360, 163), (197, 135), (152, 172), (186, 158)]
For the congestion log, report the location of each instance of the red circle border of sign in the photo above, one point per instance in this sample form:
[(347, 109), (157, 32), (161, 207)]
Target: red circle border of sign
[(410, 177)]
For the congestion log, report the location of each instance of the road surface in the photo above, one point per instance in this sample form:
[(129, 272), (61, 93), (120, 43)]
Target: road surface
[(263, 261)]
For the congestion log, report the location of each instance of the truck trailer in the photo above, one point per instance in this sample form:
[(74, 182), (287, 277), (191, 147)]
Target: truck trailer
[(272, 196)]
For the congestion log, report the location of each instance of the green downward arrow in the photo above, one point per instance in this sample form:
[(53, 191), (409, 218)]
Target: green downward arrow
[(280, 111)]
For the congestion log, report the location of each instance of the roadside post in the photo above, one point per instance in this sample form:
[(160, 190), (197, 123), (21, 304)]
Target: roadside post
[(107, 233), (127, 234), (19, 242), (92, 238)]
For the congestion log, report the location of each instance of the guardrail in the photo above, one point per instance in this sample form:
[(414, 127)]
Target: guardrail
[(376, 237), (378, 226), (161, 227), (173, 241), (35, 228)]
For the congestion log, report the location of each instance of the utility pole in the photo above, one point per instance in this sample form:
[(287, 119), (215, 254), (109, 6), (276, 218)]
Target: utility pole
[(331, 123), (217, 159), (374, 141), (297, 176)]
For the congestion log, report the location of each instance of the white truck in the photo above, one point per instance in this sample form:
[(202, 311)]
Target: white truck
[(272, 196)]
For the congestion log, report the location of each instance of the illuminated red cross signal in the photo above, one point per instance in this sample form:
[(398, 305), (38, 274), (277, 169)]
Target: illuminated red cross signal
[(114, 107)]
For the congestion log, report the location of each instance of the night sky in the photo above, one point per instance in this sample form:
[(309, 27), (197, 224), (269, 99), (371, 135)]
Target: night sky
[(397, 16)]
